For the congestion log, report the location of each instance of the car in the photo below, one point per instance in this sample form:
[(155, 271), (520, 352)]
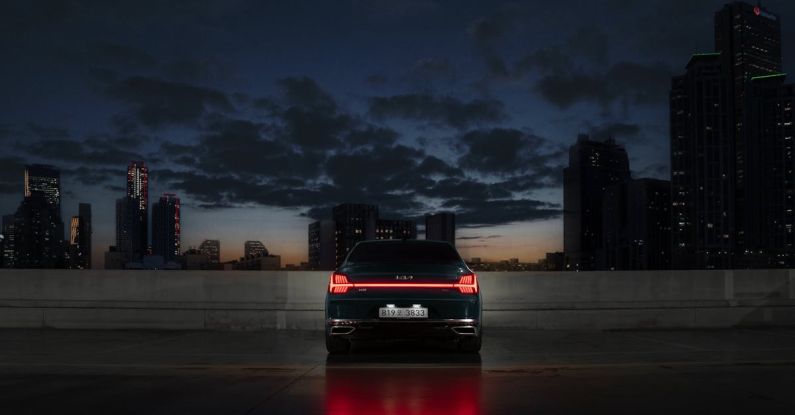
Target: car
[(403, 289)]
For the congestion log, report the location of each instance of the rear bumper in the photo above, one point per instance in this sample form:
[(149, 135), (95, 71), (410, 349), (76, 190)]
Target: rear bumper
[(363, 329)]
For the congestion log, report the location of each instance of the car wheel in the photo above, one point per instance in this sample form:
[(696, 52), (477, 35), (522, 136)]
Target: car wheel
[(469, 344), (336, 345)]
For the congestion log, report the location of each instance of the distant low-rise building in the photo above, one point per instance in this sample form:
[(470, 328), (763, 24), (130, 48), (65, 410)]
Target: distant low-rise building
[(211, 248), (258, 263), (195, 259), (254, 249)]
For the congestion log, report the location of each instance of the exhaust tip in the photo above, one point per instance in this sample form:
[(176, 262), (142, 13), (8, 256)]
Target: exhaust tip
[(465, 330), (342, 330)]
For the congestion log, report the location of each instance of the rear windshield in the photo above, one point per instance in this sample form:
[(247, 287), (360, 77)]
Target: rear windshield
[(402, 252)]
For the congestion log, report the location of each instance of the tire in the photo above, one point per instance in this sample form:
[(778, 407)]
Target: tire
[(469, 344), (336, 345)]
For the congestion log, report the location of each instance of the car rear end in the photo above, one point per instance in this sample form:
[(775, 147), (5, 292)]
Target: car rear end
[(403, 290)]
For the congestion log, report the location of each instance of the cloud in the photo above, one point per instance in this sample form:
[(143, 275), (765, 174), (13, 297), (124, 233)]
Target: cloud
[(304, 92), (155, 102), (92, 151), (627, 82), (486, 32), (238, 147), (589, 42), (503, 150), (376, 80), (466, 238), (118, 55), (311, 155), (425, 71), (396, 9), (619, 130), (195, 70), (313, 129), (94, 176), (654, 170), (482, 213), (440, 109), (371, 136), (545, 60), (47, 133)]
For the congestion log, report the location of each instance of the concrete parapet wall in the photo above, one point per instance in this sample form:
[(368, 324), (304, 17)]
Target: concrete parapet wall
[(251, 300)]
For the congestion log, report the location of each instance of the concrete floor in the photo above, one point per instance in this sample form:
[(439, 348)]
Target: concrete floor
[(275, 372)]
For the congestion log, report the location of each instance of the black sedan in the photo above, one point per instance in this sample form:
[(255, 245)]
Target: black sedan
[(402, 289)]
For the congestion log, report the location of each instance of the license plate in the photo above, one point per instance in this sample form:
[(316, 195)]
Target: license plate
[(407, 312)]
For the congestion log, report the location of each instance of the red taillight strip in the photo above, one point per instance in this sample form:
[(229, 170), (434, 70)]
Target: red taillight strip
[(339, 284)]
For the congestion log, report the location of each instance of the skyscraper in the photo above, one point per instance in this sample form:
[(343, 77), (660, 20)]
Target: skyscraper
[(211, 248), (38, 234), (702, 167), (8, 241), (123, 247), (254, 249), (321, 244), (440, 227), (45, 180), (593, 166), (137, 210), (354, 222), (748, 39), (637, 225), (38, 227), (723, 147), (166, 227), (80, 238), (769, 240)]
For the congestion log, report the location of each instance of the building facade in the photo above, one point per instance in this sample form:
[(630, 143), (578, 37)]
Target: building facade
[(254, 249), (38, 234), (637, 226), (38, 239), (136, 219), (211, 248), (440, 227), (322, 245), (166, 227), (8, 241), (258, 263), (769, 241), (702, 167), (80, 238), (44, 180), (395, 229), (354, 222), (593, 167), (728, 147), (748, 41)]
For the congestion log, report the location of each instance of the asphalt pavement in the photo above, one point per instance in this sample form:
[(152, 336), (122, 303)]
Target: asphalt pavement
[(285, 372)]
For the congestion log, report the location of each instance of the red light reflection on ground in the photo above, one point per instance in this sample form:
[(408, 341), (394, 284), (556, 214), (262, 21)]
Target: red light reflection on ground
[(402, 391)]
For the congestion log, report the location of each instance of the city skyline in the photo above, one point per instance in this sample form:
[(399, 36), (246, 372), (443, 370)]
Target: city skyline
[(257, 141)]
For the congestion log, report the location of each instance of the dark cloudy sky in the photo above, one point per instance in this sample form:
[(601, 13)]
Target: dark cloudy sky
[(260, 115)]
